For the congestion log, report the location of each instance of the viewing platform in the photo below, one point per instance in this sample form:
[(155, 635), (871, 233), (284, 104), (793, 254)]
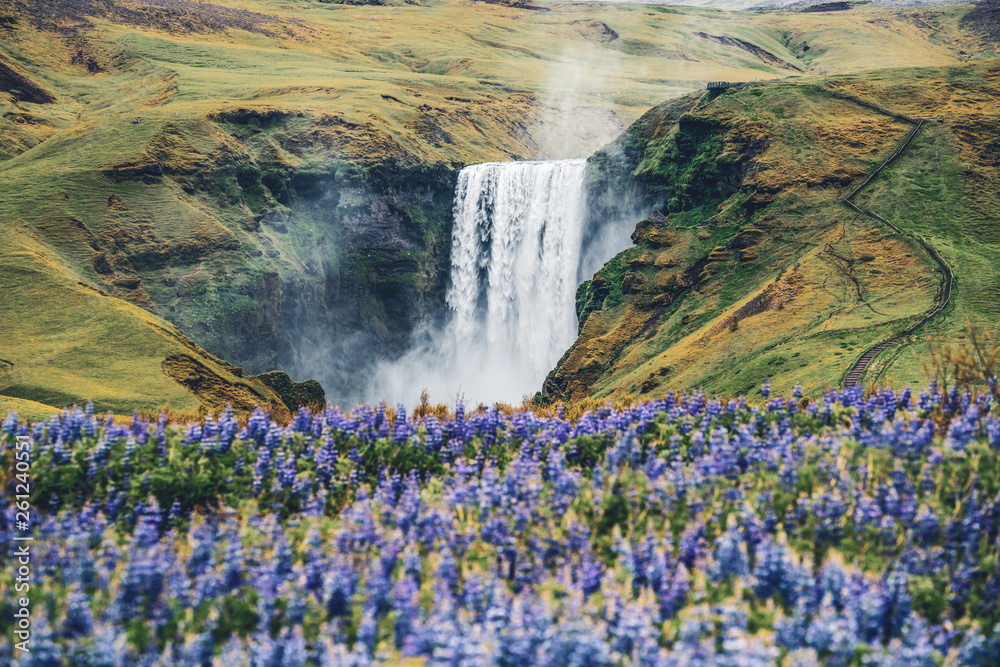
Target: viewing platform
[(722, 85)]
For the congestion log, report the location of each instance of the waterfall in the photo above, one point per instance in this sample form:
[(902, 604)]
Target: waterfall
[(511, 302)]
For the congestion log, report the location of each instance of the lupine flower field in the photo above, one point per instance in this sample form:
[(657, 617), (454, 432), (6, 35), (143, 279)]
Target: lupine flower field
[(686, 531)]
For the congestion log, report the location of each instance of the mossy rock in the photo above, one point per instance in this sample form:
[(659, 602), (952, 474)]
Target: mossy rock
[(294, 394)]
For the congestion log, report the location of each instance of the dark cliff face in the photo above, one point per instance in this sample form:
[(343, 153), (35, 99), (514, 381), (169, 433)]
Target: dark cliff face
[(671, 161), (302, 262), (373, 251), (674, 159), (619, 175), (381, 267)]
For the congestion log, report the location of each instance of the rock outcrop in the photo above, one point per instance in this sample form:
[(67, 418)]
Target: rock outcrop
[(756, 268)]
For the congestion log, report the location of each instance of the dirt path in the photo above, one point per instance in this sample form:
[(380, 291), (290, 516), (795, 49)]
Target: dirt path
[(853, 376)]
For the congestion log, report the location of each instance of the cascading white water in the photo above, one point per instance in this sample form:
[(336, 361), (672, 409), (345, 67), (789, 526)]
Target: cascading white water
[(515, 251), (514, 261)]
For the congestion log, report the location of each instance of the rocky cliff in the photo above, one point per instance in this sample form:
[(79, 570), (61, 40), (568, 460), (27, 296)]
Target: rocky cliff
[(749, 265), (323, 264), (270, 184)]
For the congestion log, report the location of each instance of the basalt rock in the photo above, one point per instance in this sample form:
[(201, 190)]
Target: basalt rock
[(654, 231), (294, 394)]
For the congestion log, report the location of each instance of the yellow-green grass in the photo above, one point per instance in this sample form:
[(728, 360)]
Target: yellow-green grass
[(67, 341), (819, 144), (30, 410), (811, 340), (929, 192), (381, 64), (370, 83)]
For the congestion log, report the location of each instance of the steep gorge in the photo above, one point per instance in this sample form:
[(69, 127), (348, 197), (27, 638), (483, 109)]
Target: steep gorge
[(272, 185)]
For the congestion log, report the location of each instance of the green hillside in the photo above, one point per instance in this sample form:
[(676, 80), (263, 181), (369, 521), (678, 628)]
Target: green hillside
[(756, 268), (274, 179)]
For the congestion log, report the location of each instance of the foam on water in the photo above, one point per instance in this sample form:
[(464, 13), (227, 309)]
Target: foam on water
[(511, 302)]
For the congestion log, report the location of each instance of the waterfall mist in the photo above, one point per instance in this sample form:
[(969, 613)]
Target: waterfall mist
[(515, 258)]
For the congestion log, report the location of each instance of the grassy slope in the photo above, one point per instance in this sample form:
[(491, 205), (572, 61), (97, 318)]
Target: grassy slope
[(790, 287), (443, 82), (380, 65), (113, 352), (944, 188)]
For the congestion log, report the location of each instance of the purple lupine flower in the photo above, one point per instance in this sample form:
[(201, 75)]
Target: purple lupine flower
[(730, 557)]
